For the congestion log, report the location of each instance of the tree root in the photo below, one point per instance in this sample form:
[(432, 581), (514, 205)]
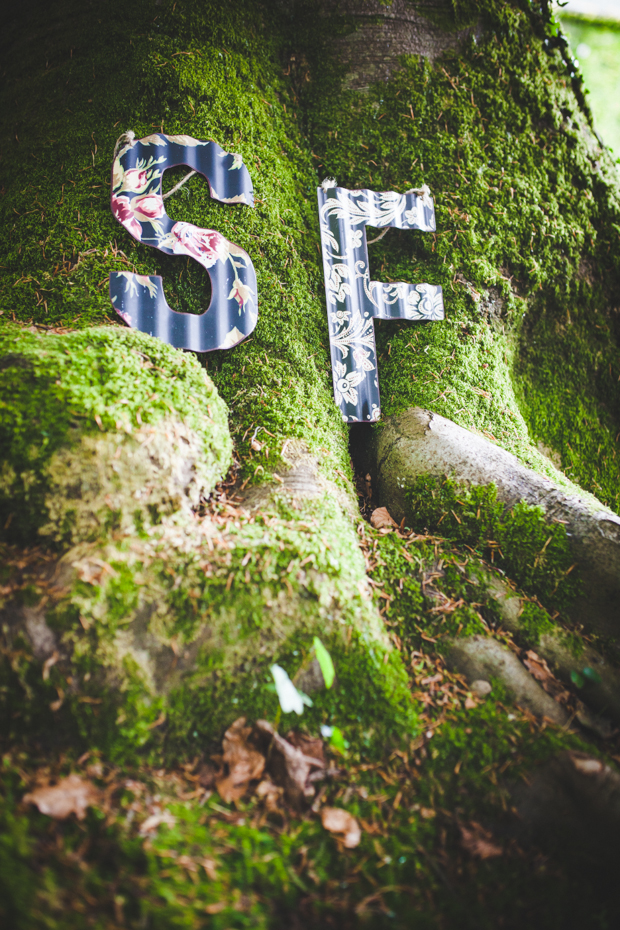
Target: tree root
[(418, 443), (571, 808), (553, 646), (482, 657)]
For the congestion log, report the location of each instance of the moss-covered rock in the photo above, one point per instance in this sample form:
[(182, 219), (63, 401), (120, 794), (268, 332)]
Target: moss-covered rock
[(169, 636), (103, 431)]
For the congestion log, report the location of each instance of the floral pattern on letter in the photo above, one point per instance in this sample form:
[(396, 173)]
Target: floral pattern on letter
[(353, 300), (137, 203)]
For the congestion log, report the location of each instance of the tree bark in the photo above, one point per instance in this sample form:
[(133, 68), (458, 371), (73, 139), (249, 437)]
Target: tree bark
[(383, 33), (419, 443)]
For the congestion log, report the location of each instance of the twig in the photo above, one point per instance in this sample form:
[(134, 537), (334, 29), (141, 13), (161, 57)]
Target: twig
[(380, 236), (177, 186)]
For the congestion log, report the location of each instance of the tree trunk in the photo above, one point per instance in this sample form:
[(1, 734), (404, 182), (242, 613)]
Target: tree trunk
[(149, 592)]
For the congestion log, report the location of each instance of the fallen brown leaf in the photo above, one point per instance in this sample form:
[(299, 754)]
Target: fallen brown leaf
[(541, 672), (380, 518), (155, 820), (290, 767), (270, 793), (207, 775), (311, 746), (343, 824), (244, 763), (537, 666), (72, 795), (478, 841), (209, 867)]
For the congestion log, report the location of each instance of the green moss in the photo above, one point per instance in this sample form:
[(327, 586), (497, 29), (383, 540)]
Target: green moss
[(215, 71), (246, 870), (168, 638), (86, 417), (214, 74), (534, 622), (534, 553), (526, 247), (168, 582)]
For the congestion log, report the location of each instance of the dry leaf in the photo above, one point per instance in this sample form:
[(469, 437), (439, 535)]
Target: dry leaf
[(270, 793), (380, 518), (72, 795), (427, 812), (289, 766), (244, 763), (209, 867), (311, 746), (207, 775), (151, 823), (478, 841), (542, 673), (343, 824), (537, 666)]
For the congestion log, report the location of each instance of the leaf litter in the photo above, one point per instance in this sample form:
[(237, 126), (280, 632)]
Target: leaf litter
[(343, 824), (72, 795)]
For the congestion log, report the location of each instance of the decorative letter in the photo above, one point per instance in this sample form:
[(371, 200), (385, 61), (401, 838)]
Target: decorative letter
[(353, 300), (138, 204)]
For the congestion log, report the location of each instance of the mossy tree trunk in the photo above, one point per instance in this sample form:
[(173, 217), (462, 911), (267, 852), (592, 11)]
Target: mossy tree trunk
[(144, 603)]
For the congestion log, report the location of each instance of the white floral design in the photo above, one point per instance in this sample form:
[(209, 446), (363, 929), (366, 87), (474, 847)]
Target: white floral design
[(340, 316), (351, 308), (359, 332), (345, 383), (337, 288), (133, 280), (362, 359), (380, 209), (423, 199), (430, 306), (354, 238)]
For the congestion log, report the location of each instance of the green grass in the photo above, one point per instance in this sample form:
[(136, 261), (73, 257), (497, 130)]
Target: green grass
[(597, 48)]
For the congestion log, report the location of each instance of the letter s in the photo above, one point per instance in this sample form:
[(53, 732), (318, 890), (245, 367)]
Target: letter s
[(138, 204)]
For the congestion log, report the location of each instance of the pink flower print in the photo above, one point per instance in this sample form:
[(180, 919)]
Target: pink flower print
[(135, 181), (122, 210), (206, 245), (148, 207)]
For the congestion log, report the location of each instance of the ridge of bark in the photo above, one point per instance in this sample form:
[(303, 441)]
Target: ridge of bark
[(384, 32)]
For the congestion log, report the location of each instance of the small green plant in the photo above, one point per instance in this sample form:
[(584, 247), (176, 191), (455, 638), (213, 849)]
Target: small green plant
[(579, 679), (325, 661)]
